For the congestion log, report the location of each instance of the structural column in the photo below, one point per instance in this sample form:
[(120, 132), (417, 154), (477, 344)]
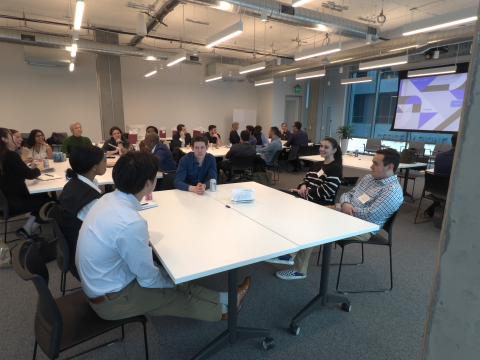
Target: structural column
[(452, 329), (109, 83)]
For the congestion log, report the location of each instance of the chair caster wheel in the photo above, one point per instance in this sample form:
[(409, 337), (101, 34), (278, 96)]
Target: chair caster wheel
[(295, 329), (268, 343), (346, 307)]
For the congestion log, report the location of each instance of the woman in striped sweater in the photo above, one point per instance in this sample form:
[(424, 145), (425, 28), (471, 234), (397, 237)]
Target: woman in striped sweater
[(320, 186)]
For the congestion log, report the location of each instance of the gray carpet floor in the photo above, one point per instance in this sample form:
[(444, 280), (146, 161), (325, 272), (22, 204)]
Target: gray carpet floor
[(381, 325)]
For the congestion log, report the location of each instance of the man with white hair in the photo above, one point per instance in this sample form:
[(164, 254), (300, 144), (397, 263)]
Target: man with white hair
[(76, 139)]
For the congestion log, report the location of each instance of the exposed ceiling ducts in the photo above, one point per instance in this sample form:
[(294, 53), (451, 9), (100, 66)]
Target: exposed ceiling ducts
[(278, 11)]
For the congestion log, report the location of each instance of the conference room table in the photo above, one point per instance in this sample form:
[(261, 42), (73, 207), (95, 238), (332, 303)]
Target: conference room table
[(248, 233), (58, 181), (363, 162), (218, 152)]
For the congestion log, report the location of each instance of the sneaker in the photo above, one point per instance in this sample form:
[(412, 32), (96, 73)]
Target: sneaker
[(284, 259), (290, 275)]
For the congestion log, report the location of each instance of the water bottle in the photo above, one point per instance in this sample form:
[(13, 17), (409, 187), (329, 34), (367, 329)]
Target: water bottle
[(213, 185)]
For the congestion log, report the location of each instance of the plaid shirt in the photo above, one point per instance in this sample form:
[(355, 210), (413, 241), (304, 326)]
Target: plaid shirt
[(385, 197)]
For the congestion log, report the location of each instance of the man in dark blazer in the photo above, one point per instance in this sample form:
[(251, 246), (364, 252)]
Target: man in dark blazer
[(234, 137), (299, 137), (237, 151)]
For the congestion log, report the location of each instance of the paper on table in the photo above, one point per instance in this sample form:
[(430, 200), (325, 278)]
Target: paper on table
[(148, 205), (243, 195), (46, 177)]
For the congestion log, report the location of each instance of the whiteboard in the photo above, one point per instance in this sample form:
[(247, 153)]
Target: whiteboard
[(245, 117)]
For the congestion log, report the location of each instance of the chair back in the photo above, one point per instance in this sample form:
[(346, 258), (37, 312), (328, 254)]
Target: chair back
[(373, 145), (29, 265), (242, 163), (276, 158), (5, 213), (63, 249), (293, 153), (418, 146), (167, 182), (388, 226), (436, 185)]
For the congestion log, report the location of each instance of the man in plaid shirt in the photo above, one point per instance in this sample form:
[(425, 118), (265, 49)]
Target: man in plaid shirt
[(375, 198)]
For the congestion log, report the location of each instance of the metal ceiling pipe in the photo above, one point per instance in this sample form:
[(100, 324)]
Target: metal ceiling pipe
[(59, 42), (287, 14), (156, 19)]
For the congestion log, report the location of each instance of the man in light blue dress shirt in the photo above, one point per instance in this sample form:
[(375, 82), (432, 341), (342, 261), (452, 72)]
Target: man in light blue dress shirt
[(268, 152), (115, 261)]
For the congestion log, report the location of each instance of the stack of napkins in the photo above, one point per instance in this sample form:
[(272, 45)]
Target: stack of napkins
[(243, 195)]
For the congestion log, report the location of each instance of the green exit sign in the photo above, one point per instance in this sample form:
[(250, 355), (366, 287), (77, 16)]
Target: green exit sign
[(298, 90)]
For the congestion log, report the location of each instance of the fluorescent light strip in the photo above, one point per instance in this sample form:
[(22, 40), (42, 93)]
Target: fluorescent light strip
[(226, 34), (359, 80), (264, 82), (399, 60), (300, 3), (433, 71), (151, 58), (177, 59), (404, 48), (213, 78), (288, 70), (441, 26), (341, 60), (251, 68), (310, 75), (71, 67), (151, 73), (324, 50), (73, 50), (79, 9)]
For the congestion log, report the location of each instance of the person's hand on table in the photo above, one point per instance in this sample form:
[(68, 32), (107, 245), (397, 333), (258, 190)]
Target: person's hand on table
[(347, 209), (198, 189), (303, 191), (333, 207)]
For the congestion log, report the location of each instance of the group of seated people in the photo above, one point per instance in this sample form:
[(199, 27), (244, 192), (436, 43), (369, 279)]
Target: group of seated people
[(109, 239)]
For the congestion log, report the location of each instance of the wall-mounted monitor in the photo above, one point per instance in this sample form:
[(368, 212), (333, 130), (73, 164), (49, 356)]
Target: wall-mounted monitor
[(430, 103)]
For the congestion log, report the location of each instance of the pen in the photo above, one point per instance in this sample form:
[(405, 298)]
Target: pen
[(48, 175), (227, 206)]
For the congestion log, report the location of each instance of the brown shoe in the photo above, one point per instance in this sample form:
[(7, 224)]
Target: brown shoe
[(241, 294)]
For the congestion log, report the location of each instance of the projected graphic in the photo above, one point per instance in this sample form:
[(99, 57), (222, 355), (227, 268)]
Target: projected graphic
[(432, 103)]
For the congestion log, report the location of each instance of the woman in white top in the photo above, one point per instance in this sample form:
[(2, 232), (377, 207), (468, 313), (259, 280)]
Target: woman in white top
[(37, 147)]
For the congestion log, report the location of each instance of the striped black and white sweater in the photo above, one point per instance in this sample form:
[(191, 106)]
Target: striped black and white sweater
[(323, 182)]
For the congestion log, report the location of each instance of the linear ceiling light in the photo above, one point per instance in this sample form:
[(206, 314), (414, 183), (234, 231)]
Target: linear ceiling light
[(341, 60), (324, 50), (264, 82), (177, 59), (151, 73), (251, 68), (213, 78), (151, 58), (73, 50), (310, 75), (71, 66), (359, 80), (404, 48), (288, 70), (226, 34), (433, 71), (399, 60), (441, 26), (79, 8), (300, 3)]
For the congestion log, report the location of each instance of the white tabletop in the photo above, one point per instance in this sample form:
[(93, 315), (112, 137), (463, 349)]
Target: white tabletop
[(302, 222), (221, 151), (362, 162), (196, 236), (38, 186)]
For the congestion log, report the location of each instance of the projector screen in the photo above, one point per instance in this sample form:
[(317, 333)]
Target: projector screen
[(430, 103)]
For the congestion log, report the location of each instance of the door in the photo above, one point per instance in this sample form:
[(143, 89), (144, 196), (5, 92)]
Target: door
[(293, 110)]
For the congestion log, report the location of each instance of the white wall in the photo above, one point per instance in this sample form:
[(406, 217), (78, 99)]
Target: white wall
[(49, 99), (180, 95)]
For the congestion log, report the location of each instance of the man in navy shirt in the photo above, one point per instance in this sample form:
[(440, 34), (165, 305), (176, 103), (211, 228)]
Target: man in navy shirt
[(196, 168)]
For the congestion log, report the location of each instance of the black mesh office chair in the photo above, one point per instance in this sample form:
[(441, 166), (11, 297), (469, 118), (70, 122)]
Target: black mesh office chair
[(435, 189), (242, 167), (63, 323), (372, 145), (376, 239), (7, 217), (167, 182)]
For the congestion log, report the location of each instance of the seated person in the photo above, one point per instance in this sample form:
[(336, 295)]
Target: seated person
[(196, 168), (115, 261), (286, 134), (253, 139), (150, 130), (117, 144), (242, 150), (268, 152), (234, 137), (259, 136), (76, 139), (79, 194), (13, 173), (375, 198), (213, 136), (17, 140), (161, 152), (320, 185), (299, 137), (181, 138), (37, 148)]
